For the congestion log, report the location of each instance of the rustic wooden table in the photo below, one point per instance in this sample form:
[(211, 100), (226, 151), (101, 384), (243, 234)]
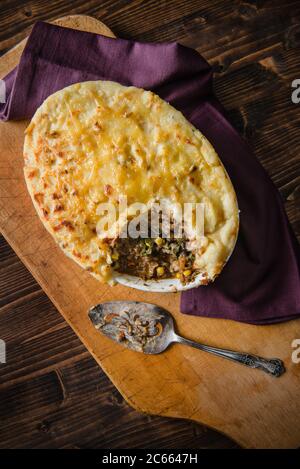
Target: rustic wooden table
[(53, 395)]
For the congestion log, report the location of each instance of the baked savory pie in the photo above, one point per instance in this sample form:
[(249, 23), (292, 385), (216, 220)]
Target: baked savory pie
[(94, 142)]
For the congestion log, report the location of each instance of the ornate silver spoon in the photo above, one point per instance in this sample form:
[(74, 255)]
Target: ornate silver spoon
[(148, 328)]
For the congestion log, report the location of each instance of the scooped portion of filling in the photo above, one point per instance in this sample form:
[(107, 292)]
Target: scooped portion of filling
[(150, 258)]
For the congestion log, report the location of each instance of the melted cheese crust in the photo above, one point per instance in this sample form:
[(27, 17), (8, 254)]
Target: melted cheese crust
[(95, 141)]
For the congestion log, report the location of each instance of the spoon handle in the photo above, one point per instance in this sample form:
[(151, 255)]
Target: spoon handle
[(273, 366)]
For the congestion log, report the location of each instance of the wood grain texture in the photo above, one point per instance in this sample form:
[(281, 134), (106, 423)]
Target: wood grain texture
[(248, 54), (54, 395)]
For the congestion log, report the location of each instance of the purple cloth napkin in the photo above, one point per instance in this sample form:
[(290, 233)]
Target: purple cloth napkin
[(260, 284)]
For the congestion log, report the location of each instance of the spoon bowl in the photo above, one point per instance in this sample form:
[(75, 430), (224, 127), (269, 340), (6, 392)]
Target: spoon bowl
[(143, 327)]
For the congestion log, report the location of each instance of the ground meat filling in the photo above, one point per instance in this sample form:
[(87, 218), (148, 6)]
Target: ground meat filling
[(150, 258)]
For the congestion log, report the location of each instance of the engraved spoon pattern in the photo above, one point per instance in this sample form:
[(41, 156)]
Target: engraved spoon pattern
[(148, 328)]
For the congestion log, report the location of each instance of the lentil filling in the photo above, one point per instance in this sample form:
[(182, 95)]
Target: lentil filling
[(150, 258)]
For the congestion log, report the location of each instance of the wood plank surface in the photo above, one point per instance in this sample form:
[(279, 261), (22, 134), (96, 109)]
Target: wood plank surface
[(249, 53)]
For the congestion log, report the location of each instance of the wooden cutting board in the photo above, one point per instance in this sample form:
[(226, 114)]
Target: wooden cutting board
[(253, 408)]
